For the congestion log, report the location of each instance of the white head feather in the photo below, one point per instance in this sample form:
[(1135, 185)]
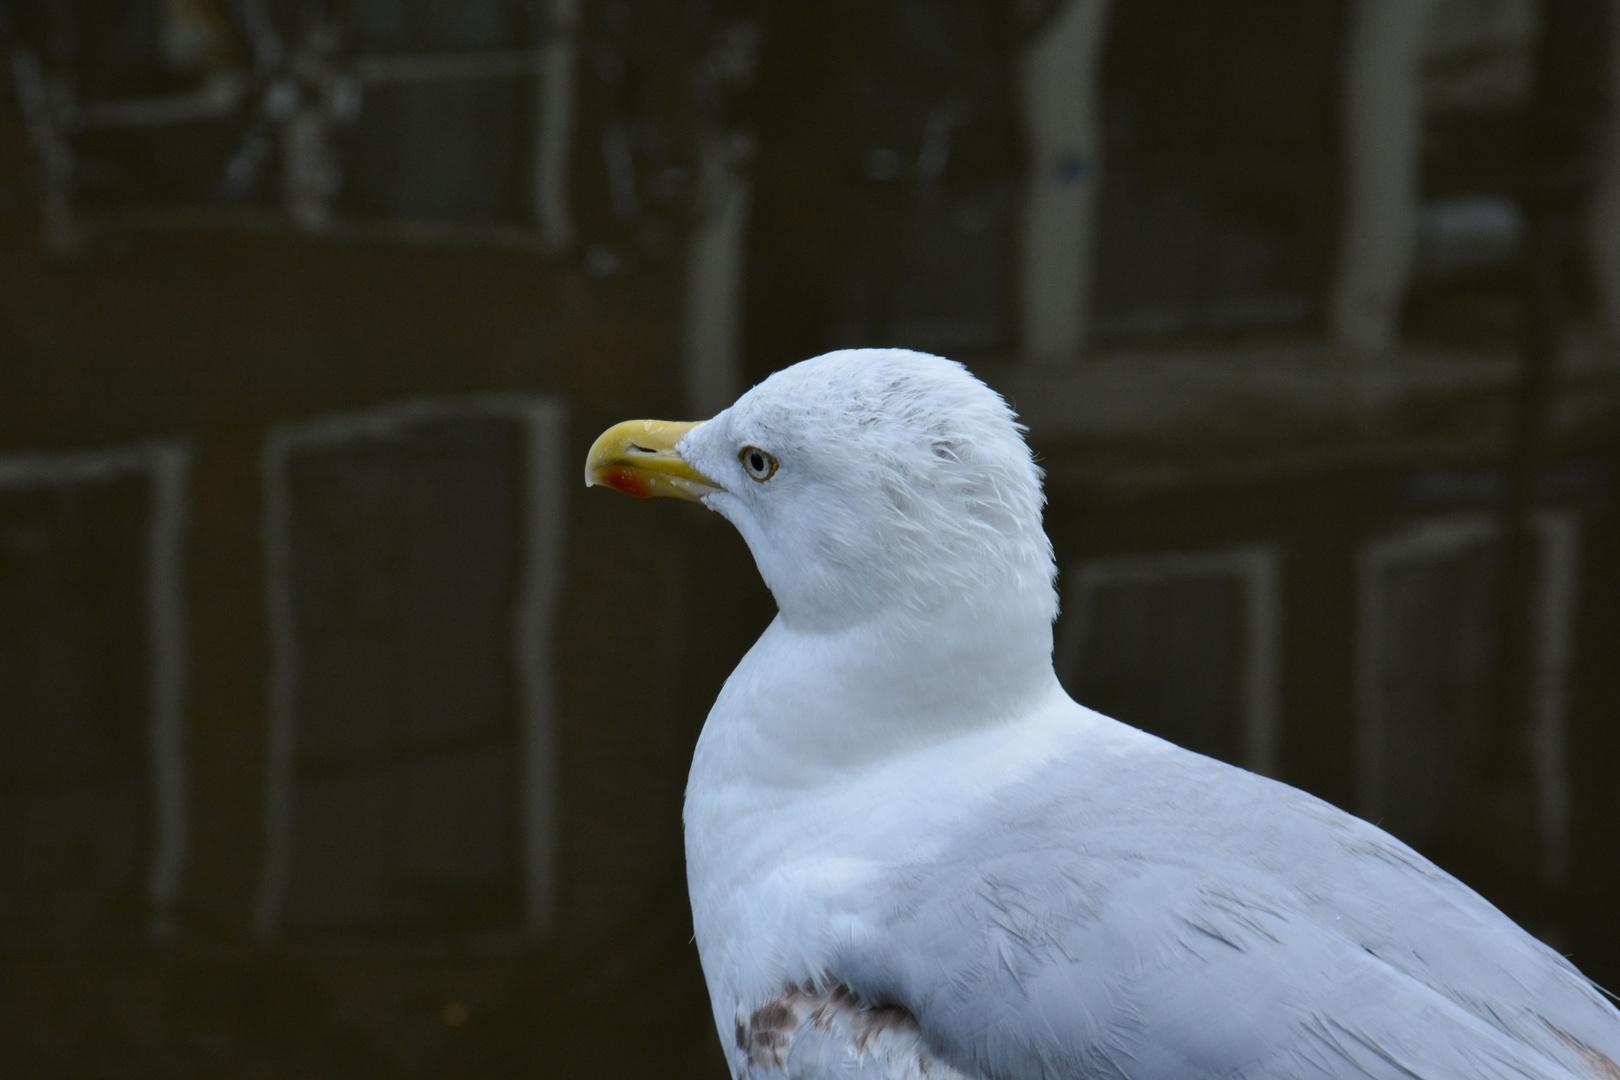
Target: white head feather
[(904, 482)]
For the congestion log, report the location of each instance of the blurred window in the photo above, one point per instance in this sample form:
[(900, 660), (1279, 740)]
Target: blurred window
[(1220, 166), (931, 274), (90, 681), (886, 178), (432, 138), (1427, 646), (1183, 646), (1478, 68), (413, 557), (933, 159), (403, 118)]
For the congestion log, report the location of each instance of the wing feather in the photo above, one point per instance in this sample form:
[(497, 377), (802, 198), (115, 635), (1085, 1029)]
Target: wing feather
[(1156, 915)]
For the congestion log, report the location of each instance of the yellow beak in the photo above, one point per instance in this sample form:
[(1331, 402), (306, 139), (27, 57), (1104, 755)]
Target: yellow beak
[(638, 458)]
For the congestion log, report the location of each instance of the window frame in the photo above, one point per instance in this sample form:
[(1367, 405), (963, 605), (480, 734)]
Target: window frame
[(166, 465), (532, 637), (1553, 614), (1258, 569), (54, 116)]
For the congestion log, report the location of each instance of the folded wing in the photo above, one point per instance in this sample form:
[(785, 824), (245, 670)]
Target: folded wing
[(1156, 915)]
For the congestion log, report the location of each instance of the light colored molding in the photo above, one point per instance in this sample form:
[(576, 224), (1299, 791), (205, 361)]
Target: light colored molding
[(543, 421), (166, 466), (1554, 618), (1258, 569), (554, 141), (1383, 119), (311, 172), (220, 96), (1059, 79), (283, 683), (165, 599), (535, 646), (1553, 615), (40, 100), (714, 278), (1158, 420), (712, 349), (1603, 222), (1435, 539), (410, 231)]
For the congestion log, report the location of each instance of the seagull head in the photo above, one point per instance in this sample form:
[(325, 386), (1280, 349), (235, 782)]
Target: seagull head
[(864, 481)]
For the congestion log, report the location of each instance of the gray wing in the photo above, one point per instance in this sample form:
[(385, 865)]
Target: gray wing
[(1159, 915)]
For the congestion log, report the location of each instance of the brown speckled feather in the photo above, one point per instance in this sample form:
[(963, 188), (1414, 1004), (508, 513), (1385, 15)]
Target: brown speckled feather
[(807, 1034)]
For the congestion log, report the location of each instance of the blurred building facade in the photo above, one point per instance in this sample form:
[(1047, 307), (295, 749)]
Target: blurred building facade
[(342, 734)]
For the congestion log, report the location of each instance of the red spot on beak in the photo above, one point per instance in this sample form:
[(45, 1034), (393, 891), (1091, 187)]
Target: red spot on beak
[(627, 481)]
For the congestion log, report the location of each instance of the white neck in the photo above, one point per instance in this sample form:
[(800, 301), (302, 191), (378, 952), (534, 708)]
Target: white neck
[(813, 735), (816, 704)]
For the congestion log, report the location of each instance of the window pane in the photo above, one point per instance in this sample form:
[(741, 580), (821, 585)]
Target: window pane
[(930, 274), (1166, 656), (1477, 72), (1221, 163), (76, 819), (445, 151), (1434, 673), (405, 554), (422, 111)]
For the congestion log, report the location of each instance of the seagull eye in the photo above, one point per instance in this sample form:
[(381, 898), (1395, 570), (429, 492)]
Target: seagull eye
[(759, 465)]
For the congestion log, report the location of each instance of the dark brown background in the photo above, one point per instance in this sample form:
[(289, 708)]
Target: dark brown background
[(1185, 434)]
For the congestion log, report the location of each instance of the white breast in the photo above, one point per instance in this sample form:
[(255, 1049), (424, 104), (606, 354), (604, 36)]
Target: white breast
[(785, 874)]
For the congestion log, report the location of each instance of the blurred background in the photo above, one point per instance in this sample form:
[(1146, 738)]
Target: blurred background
[(343, 733)]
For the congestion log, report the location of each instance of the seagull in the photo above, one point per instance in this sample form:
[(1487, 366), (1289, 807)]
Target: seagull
[(911, 855)]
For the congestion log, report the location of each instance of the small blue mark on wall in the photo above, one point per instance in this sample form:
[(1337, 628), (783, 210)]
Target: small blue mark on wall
[(1072, 169)]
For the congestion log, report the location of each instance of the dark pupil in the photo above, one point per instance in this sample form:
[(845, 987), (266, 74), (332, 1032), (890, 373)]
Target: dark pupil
[(756, 462)]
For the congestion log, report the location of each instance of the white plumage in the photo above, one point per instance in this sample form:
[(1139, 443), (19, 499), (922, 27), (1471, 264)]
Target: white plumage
[(910, 854)]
